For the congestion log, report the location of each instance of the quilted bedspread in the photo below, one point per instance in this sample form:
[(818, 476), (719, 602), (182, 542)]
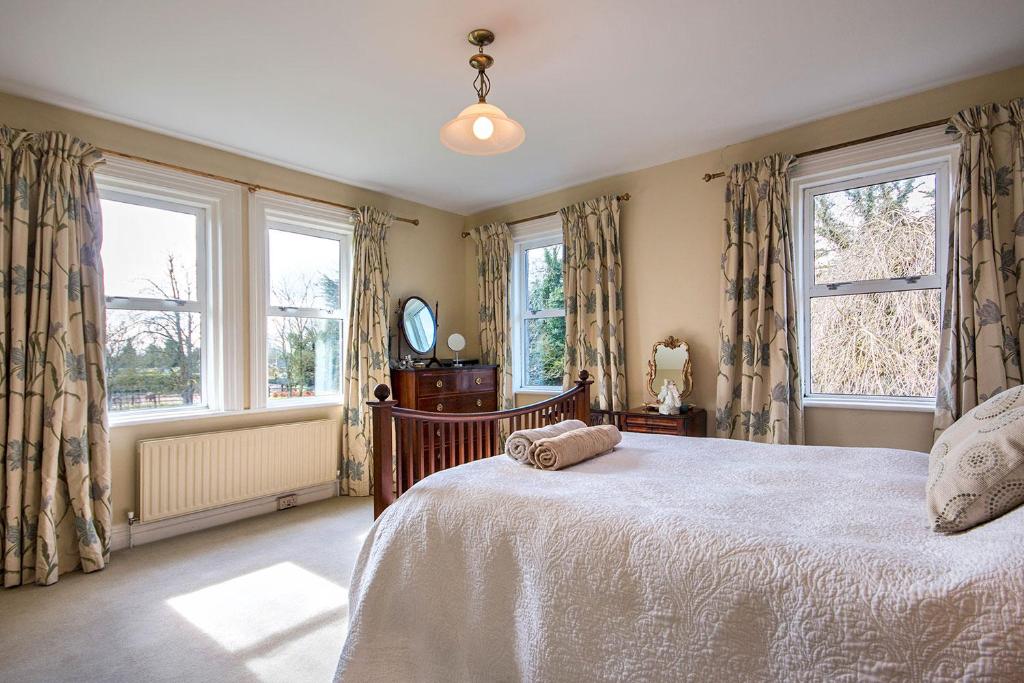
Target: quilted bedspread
[(685, 559)]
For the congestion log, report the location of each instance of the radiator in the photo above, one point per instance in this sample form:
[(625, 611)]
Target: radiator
[(184, 474)]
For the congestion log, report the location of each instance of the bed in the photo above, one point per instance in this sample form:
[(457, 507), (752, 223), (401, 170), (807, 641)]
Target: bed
[(676, 558)]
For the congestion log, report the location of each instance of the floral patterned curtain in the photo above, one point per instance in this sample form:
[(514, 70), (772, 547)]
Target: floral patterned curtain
[(55, 474), (594, 323), (493, 284), (759, 393), (366, 358), (983, 314)]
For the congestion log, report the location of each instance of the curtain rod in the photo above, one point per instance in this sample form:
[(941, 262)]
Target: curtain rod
[(252, 187), (620, 197), (708, 177)]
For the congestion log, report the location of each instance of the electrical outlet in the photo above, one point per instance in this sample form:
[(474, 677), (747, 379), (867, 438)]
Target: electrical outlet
[(289, 501)]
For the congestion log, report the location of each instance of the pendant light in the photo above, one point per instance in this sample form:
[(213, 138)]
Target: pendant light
[(482, 129)]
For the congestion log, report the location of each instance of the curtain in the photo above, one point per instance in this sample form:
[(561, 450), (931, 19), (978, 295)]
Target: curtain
[(55, 475), (594, 325), (493, 284), (366, 359), (759, 393), (983, 314)]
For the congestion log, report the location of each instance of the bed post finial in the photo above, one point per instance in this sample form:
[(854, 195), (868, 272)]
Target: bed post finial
[(583, 398), (383, 450)]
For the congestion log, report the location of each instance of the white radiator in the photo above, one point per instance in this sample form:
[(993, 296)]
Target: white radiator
[(184, 474)]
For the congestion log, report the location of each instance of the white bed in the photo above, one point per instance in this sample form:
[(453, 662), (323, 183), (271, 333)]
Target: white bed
[(685, 559)]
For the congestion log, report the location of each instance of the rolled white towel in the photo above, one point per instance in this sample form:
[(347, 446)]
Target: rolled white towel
[(518, 443), (573, 447)]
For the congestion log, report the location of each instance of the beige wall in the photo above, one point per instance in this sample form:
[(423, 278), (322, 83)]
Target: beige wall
[(670, 205), (417, 254), (675, 290)]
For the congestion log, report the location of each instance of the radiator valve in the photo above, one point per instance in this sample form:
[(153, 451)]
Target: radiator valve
[(131, 523)]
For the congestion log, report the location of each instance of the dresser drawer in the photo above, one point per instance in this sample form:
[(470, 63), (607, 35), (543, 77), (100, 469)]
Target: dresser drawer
[(651, 424), (434, 383), (692, 423), (477, 380), (478, 403), (440, 404), (460, 403)]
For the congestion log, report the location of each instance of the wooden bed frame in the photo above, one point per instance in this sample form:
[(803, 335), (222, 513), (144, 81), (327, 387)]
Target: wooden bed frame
[(409, 445)]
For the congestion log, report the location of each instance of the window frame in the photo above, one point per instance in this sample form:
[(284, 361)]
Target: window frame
[(269, 211), (535, 234), (919, 153), (218, 208)]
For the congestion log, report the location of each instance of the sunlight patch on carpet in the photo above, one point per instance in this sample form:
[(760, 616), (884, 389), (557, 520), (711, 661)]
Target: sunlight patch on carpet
[(247, 610), (312, 656)]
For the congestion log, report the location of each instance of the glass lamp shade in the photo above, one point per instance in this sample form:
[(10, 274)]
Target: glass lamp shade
[(482, 129)]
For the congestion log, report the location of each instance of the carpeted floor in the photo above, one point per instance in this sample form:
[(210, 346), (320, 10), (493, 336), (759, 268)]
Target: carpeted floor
[(264, 599)]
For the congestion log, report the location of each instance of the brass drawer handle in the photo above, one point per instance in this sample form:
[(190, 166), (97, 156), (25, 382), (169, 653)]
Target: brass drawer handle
[(479, 380), (440, 383), (440, 407), (479, 402)]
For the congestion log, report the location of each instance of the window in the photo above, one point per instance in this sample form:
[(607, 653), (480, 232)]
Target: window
[(305, 298), (872, 268), (162, 237), (304, 319), (539, 324), (154, 266)]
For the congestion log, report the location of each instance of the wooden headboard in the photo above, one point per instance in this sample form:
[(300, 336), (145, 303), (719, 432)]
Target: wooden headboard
[(409, 445)]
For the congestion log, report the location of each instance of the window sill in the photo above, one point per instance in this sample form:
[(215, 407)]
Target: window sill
[(538, 390), (298, 403), (926, 405), (191, 415), (130, 420)]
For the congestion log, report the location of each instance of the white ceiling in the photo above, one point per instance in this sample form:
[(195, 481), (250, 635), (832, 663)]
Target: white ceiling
[(357, 91)]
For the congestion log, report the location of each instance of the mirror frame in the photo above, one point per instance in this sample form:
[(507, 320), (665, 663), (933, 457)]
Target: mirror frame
[(401, 324), (670, 342)]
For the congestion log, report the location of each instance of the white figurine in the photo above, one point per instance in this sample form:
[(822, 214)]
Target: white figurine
[(670, 399)]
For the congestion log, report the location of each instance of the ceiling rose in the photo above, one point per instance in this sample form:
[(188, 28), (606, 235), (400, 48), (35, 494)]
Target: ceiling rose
[(481, 129)]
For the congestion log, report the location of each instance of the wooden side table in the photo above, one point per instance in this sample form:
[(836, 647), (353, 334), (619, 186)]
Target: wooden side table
[(693, 422)]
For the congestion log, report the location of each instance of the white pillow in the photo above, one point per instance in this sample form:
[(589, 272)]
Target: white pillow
[(976, 468)]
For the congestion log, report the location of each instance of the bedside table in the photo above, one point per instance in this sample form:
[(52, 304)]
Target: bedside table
[(693, 422)]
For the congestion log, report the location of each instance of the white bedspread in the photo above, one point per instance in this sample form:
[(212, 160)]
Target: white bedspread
[(685, 559)]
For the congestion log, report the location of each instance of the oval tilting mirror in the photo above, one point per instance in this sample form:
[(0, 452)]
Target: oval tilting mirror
[(670, 359), (419, 327)]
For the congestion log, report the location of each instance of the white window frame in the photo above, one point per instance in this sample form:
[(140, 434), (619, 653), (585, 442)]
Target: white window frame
[(535, 234), (924, 152), (269, 211), (218, 208)]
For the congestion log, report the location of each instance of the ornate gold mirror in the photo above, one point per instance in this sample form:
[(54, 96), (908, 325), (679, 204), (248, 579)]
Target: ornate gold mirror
[(670, 359)]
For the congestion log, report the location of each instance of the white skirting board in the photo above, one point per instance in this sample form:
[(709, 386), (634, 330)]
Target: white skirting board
[(175, 526)]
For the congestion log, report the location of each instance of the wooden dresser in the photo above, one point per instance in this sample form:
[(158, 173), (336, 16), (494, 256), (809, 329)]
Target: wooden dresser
[(469, 389), (693, 422)]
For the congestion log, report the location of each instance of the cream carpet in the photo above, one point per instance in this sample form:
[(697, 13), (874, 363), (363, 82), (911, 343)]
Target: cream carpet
[(264, 599)]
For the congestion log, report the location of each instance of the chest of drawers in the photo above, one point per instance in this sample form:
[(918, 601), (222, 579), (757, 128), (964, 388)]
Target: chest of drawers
[(469, 389)]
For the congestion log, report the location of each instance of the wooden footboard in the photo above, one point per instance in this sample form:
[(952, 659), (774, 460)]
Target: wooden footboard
[(409, 445)]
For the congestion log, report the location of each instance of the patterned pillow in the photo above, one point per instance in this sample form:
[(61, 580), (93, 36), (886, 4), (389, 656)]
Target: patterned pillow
[(976, 468)]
